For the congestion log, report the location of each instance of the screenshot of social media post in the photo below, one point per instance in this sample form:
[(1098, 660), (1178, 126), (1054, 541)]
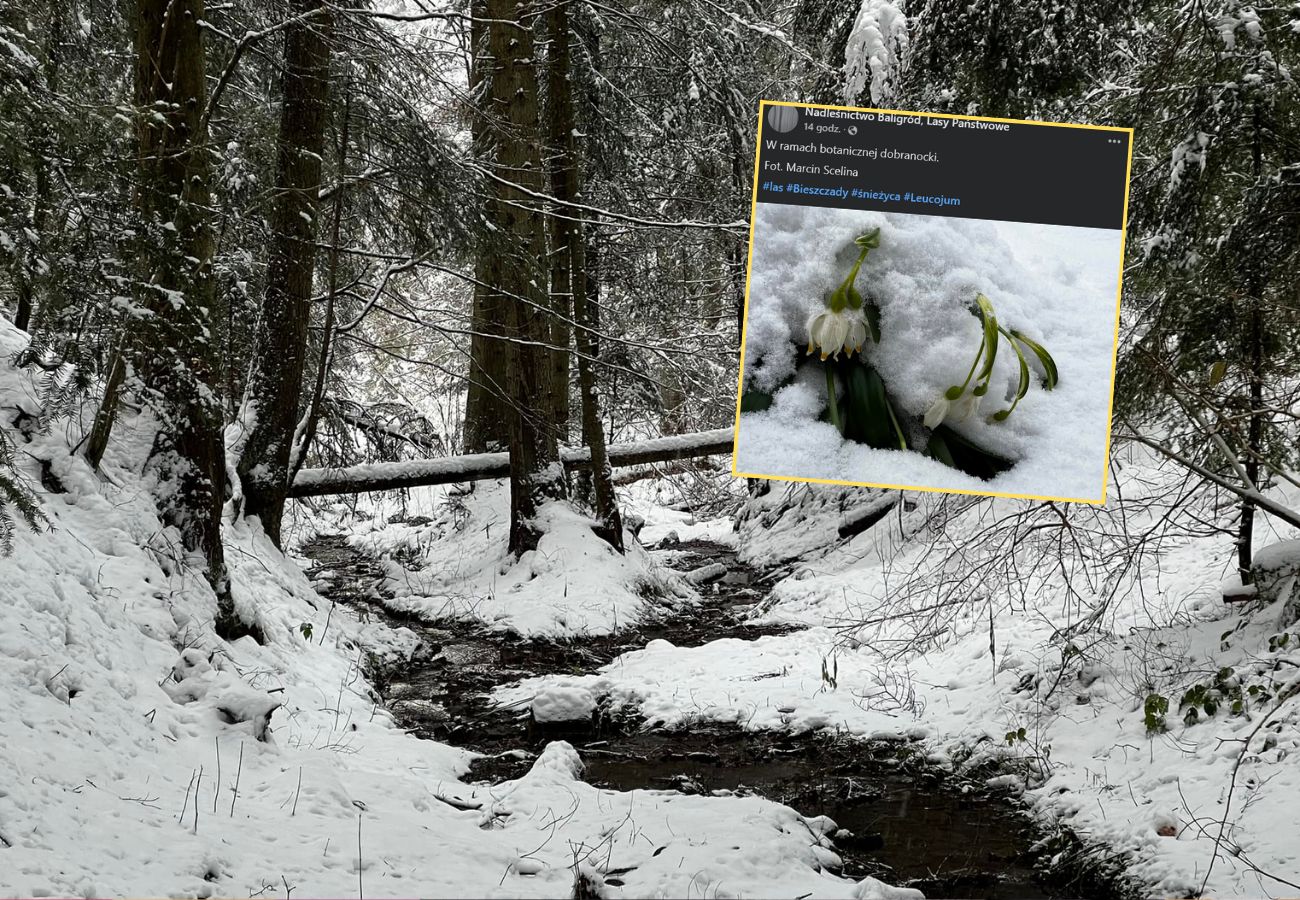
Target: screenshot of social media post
[(932, 302)]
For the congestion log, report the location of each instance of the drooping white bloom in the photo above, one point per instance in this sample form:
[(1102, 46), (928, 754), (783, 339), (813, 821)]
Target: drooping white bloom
[(857, 335), (965, 407), (832, 332), (935, 415)]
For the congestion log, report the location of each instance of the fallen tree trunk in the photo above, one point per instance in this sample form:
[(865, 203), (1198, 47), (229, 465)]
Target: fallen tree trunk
[(389, 476)]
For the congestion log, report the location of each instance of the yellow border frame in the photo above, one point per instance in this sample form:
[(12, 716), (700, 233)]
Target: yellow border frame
[(749, 267)]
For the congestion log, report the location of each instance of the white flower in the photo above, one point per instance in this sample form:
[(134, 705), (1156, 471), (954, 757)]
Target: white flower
[(935, 415), (965, 407), (857, 335), (836, 331)]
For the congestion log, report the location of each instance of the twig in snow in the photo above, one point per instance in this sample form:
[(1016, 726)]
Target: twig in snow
[(329, 615), (186, 804), (216, 788), (462, 805), (294, 811), (235, 791), (196, 800), (993, 647), (361, 894)]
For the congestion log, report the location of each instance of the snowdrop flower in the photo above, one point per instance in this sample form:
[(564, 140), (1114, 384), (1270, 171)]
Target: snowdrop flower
[(845, 323), (966, 406), (935, 415), (833, 331), (955, 411)]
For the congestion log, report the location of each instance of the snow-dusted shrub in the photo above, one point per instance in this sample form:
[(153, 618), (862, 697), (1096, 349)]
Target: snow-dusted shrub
[(15, 498)]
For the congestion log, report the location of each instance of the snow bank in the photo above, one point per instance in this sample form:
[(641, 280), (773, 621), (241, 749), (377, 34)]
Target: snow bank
[(560, 703), (457, 566), (1056, 284)]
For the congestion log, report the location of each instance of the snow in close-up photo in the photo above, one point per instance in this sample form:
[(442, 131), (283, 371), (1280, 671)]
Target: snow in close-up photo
[(929, 352)]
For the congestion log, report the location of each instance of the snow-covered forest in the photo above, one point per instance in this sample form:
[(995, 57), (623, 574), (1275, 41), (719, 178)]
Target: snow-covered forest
[(367, 380)]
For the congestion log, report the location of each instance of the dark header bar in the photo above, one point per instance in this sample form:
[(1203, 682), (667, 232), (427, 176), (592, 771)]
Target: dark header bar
[(932, 165)]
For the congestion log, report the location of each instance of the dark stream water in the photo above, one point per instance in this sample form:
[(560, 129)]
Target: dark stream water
[(899, 820)]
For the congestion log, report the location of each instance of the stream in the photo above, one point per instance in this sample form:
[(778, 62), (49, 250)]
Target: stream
[(900, 820)]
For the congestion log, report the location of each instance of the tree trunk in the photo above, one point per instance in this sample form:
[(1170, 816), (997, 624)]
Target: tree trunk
[(535, 471), (1254, 443), (569, 272), (106, 414), (303, 441), (486, 411), (169, 350), (273, 397), (560, 125), (1255, 373)]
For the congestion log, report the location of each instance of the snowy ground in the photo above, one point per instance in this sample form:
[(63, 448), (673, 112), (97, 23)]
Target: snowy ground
[(1088, 759), (1057, 284), (120, 706), (144, 756)]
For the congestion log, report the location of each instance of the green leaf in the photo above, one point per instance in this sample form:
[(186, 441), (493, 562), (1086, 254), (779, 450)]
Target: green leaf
[(1022, 388), (871, 313), (870, 240), (898, 429), (1154, 709), (969, 457), (1052, 377), (755, 401), (937, 448), (990, 336), (868, 419), (832, 403), (1217, 372)]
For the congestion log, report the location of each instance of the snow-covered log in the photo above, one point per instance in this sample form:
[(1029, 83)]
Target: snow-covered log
[(477, 466)]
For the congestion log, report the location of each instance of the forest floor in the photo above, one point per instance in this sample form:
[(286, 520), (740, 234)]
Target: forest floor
[(896, 818), (1006, 707)]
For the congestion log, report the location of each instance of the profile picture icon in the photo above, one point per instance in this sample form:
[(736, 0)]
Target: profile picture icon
[(782, 118)]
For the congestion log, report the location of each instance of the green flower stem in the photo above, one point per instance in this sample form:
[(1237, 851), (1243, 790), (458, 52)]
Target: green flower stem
[(846, 291), (833, 404), (898, 431), (1023, 388), (954, 392), (990, 323)]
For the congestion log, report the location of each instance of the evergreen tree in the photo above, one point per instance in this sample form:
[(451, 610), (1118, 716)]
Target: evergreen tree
[(1211, 286)]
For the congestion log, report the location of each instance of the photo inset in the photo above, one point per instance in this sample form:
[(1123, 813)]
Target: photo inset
[(932, 352)]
